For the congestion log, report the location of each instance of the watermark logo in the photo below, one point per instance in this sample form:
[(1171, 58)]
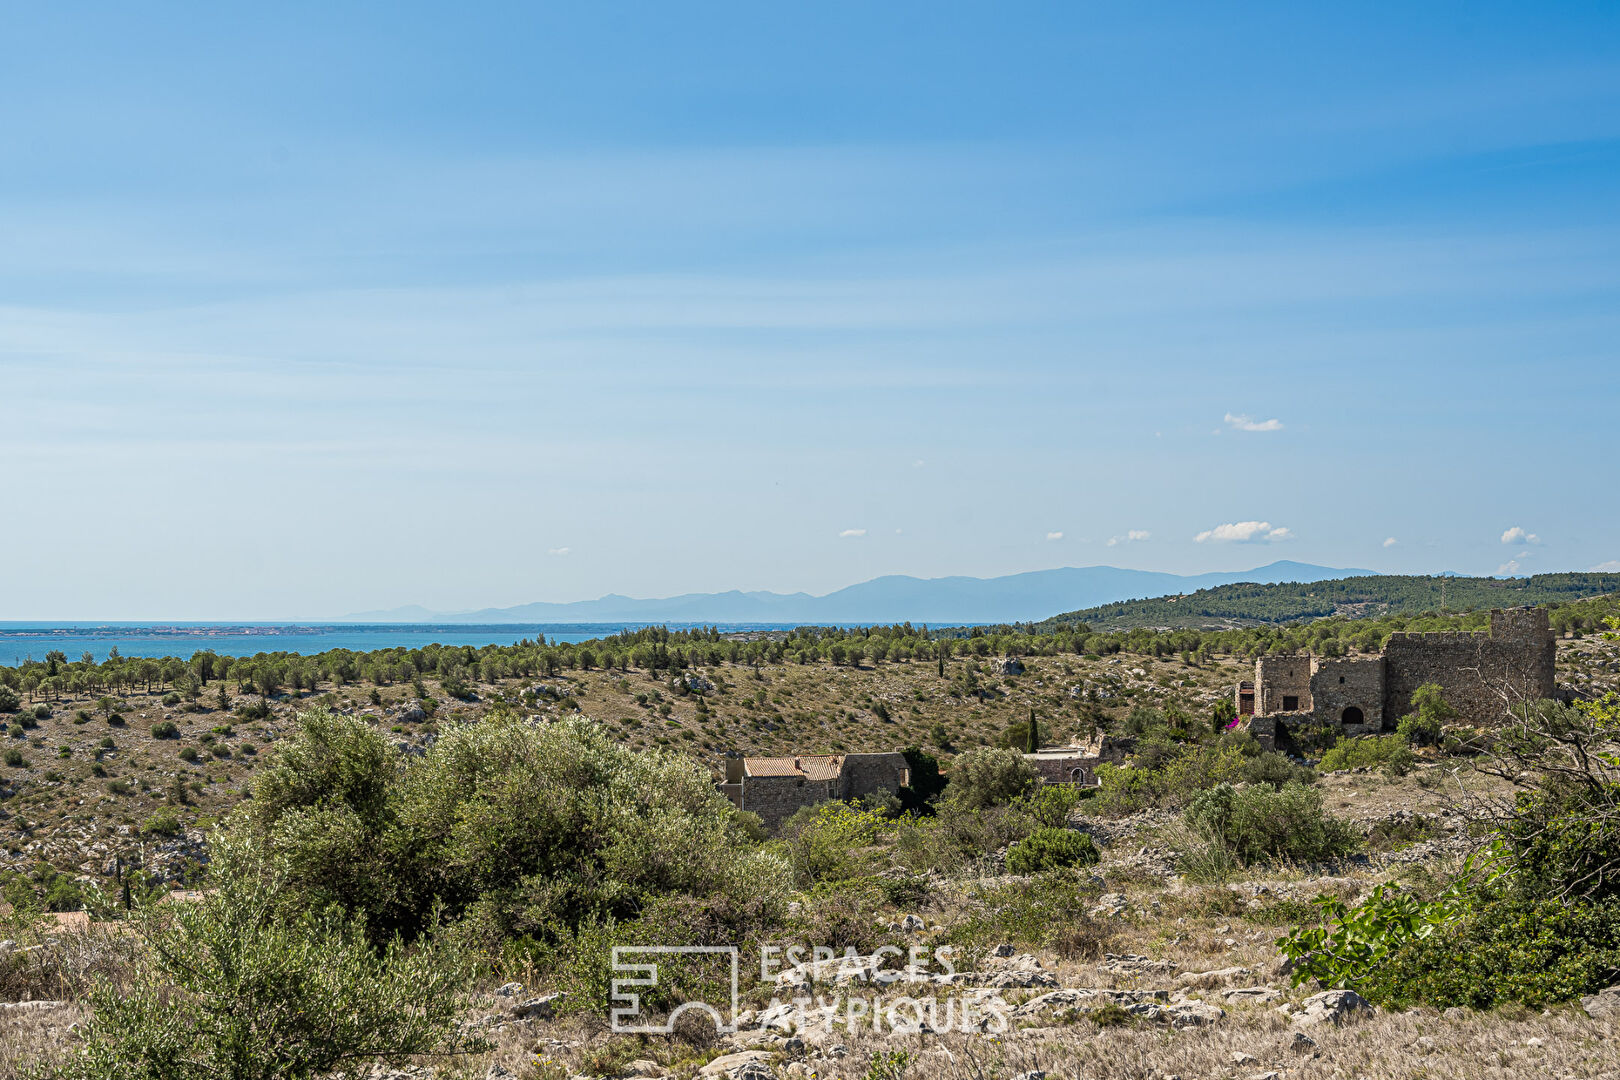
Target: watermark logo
[(626, 1017), (902, 991)]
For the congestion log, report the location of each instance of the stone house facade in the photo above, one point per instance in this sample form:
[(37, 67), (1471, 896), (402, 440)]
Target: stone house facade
[(1077, 764), (1480, 673), (775, 787)]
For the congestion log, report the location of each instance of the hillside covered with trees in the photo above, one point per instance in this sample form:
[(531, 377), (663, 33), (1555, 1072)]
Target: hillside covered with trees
[(1248, 604)]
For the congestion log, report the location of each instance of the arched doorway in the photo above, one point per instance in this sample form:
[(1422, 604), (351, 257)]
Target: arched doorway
[(1352, 715)]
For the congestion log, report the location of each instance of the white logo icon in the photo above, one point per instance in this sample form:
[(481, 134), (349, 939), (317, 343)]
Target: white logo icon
[(622, 1019)]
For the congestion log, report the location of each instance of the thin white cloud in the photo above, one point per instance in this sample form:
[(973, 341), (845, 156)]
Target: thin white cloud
[(1509, 567), (919, 463), (1612, 566), (1245, 422), (1390, 541), (1054, 536), (1131, 536), (558, 551), (853, 532), (1244, 532), (1517, 535)]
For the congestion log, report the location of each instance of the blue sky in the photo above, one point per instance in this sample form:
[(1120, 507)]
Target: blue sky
[(332, 307)]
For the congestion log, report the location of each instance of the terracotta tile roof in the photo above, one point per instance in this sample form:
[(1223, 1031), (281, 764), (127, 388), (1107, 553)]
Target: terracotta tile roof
[(806, 766)]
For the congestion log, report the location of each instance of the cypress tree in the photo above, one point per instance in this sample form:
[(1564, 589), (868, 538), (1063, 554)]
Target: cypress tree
[(1032, 742)]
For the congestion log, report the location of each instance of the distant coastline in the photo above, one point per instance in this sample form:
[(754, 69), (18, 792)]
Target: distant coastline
[(33, 640)]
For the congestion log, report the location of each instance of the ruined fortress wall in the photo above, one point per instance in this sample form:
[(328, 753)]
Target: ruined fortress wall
[(1480, 674), (1349, 682), (1278, 676)]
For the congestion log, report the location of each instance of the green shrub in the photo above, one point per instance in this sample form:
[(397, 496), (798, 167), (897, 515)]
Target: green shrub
[(956, 837), (171, 699), (1049, 848), (15, 759), (1181, 774), (236, 988), (1275, 769), (1263, 824), (1531, 951), (9, 701), (1389, 752), (526, 829), (1349, 944), (42, 712), (1030, 912), (1476, 947), (188, 753), (1430, 713), (822, 840), (120, 787), (165, 822), (165, 729), (989, 776), (1534, 919), (253, 709), (1049, 804)]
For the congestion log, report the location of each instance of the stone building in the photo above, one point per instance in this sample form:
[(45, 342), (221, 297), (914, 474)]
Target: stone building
[(1480, 673), (774, 787), (1077, 764)]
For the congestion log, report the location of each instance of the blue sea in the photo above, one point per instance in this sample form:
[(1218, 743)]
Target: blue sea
[(23, 641)]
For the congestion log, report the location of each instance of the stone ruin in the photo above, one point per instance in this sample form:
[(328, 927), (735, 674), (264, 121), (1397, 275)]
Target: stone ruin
[(1480, 674)]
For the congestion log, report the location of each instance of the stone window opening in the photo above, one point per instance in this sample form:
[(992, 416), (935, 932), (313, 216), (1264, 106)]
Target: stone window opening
[(1341, 680), (1290, 703), (1352, 715)]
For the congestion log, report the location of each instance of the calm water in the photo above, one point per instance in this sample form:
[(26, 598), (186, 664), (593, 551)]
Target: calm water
[(21, 641)]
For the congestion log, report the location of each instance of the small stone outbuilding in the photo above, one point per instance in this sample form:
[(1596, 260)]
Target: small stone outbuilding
[(1077, 764), (775, 787)]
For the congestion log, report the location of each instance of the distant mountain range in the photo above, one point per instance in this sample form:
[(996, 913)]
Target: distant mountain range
[(895, 598)]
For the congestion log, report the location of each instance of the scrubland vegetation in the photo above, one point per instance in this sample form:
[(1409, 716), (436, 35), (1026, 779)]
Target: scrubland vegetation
[(369, 889)]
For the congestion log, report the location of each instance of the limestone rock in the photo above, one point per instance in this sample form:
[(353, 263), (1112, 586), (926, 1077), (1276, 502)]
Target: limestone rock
[(1603, 1005), (1211, 977), (540, 1008), (1333, 1007), (734, 1064), (1194, 1014)]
